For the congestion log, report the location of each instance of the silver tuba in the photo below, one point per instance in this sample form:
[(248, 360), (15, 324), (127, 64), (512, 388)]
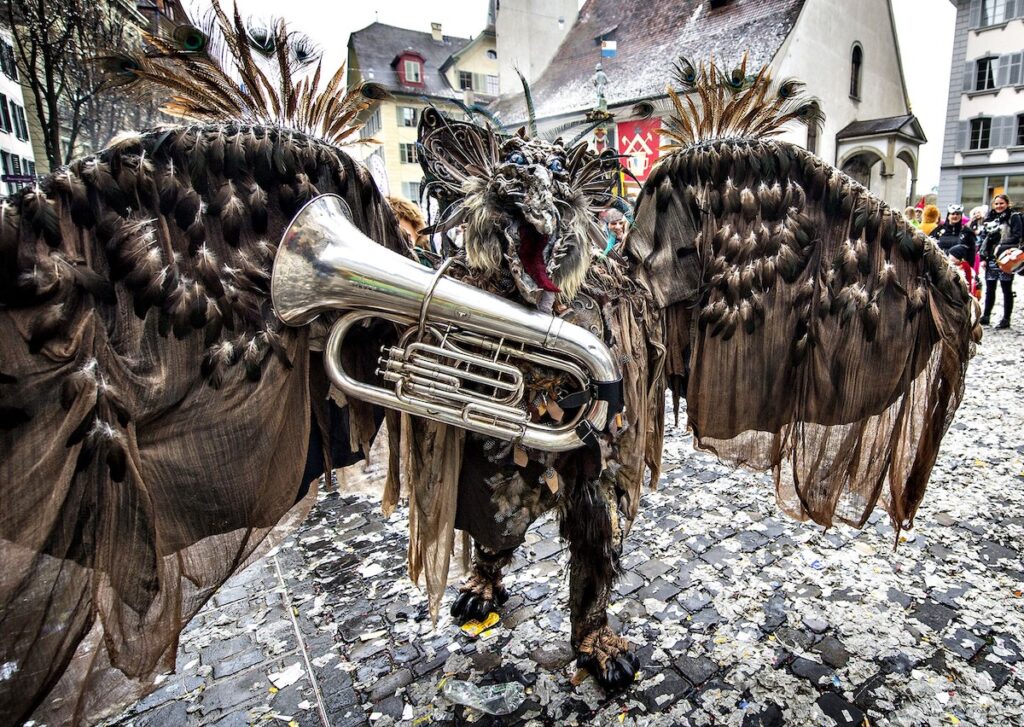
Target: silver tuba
[(459, 351)]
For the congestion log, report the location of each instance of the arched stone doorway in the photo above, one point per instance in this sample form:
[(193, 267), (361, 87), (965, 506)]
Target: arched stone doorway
[(867, 167), (909, 181)]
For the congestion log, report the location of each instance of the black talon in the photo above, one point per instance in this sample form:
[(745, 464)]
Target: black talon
[(628, 664), (616, 675), (459, 607), (500, 596), (613, 675), (483, 608)]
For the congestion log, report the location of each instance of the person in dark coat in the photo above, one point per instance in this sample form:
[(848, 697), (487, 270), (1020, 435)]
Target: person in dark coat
[(1003, 230), (955, 237)]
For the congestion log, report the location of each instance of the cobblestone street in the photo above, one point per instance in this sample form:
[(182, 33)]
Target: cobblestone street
[(739, 615)]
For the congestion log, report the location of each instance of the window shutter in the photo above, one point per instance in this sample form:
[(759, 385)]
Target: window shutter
[(1010, 12), (1009, 131), (963, 136), (975, 19), (1003, 74), (969, 72), (995, 134)]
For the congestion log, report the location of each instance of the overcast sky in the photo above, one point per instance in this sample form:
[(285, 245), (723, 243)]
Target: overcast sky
[(925, 29)]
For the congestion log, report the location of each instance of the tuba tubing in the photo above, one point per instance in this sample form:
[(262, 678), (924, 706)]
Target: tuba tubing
[(324, 263)]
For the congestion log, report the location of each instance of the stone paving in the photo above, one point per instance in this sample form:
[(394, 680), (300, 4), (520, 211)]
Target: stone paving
[(739, 615)]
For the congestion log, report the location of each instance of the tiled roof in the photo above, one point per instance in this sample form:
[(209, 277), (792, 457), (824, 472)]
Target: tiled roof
[(888, 125), (650, 37), (377, 45)]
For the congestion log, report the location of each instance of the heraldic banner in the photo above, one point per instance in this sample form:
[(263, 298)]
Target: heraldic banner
[(639, 142)]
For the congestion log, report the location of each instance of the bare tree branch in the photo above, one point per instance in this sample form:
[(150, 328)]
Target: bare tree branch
[(56, 43)]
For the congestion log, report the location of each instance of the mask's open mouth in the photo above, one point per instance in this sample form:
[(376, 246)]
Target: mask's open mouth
[(536, 252)]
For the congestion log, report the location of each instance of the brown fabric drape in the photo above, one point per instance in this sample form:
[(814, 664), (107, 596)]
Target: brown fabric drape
[(819, 335), (154, 415), (432, 461)]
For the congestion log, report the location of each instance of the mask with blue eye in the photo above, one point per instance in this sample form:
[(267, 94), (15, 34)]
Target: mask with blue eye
[(517, 157), (556, 166)]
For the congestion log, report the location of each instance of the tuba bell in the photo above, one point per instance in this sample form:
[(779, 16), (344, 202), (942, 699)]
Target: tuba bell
[(460, 352)]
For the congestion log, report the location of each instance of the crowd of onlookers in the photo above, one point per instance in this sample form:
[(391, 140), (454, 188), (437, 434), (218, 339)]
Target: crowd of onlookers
[(986, 245)]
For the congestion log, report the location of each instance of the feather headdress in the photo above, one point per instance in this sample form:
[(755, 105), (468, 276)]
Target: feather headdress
[(732, 104), (225, 68)]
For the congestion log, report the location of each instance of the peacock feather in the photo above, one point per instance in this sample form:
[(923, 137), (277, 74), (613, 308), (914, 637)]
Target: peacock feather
[(256, 72), (714, 104)]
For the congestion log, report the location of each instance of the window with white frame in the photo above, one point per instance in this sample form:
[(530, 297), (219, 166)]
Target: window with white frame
[(7, 61), (492, 85), (408, 116), (17, 116), (984, 74), (981, 130), (411, 190), (413, 71), (996, 11), (465, 81), (407, 154), (24, 123)]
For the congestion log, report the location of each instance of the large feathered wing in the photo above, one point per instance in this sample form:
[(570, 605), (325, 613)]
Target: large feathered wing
[(813, 331)]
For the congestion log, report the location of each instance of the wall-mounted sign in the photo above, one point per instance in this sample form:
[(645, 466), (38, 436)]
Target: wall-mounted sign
[(638, 141)]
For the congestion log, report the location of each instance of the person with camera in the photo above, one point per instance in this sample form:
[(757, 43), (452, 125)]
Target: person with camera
[(1003, 231)]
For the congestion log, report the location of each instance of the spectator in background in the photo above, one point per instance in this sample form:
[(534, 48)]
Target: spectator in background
[(918, 216), (930, 219), (910, 215), (616, 226), (954, 237), (977, 218), (410, 219), (1003, 230)]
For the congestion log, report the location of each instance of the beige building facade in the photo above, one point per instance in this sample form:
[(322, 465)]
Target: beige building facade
[(419, 69)]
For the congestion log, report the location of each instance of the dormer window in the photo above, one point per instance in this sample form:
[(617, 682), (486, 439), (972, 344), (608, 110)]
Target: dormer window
[(413, 71), (409, 66)]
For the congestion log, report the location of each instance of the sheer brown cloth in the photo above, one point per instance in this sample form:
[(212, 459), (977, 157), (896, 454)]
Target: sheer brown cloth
[(154, 415), (813, 331)]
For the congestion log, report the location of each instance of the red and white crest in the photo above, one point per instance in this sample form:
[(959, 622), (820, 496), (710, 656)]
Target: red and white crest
[(638, 140)]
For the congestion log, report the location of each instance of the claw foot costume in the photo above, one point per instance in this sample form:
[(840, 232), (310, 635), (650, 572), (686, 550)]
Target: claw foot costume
[(154, 411)]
